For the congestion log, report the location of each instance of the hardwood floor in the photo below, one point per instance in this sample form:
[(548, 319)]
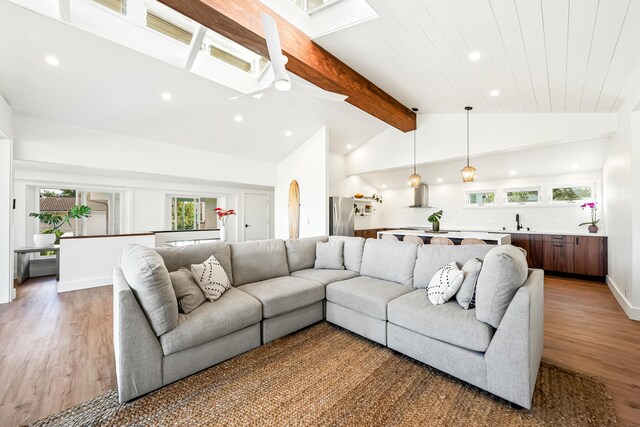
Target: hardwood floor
[(56, 350)]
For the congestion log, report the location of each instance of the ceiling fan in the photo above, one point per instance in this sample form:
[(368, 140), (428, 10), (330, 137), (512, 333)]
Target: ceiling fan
[(282, 81)]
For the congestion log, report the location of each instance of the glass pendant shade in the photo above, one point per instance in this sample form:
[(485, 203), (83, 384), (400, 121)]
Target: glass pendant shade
[(468, 174), (414, 180)]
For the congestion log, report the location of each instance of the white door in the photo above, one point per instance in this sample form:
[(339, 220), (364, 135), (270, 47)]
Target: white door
[(256, 216)]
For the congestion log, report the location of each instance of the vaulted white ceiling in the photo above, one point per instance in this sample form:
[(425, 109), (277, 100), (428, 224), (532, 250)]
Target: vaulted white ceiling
[(104, 85), (541, 55)]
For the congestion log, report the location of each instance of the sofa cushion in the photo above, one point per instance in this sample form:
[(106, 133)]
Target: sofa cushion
[(187, 290), (503, 271), (466, 296), (329, 255), (432, 257), (301, 253), (211, 278), (325, 276), (447, 322), (177, 257), (151, 284), (353, 249), (284, 294), (233, 311), (389, 260), (258, 260), (366, 295)]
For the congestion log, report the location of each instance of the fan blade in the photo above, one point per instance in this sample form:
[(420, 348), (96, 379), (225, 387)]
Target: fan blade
[(273, 45), (317, 92), (257, 94)]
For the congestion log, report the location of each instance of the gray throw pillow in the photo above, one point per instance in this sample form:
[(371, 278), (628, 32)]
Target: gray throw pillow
[(151, 284), (353, 249), (503, 271), (467, 292), (187, 291), (330, 255)]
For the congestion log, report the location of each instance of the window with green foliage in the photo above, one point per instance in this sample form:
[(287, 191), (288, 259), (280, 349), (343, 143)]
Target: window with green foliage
[(481, 198), (572, 194), (522, 196)]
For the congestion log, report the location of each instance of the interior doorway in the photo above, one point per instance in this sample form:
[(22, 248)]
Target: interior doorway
[(256, 216)]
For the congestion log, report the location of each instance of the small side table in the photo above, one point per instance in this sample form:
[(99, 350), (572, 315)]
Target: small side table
[(24, 257)]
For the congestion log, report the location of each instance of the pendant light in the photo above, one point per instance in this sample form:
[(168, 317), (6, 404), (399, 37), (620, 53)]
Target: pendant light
[(468, 172), (414, 178)]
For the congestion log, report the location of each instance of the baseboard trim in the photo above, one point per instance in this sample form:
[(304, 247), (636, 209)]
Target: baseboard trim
[(632, 312), (66, 286)]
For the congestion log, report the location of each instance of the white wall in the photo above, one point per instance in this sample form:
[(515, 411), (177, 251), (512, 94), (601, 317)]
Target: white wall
[(443, 137), (308, 165), (145, 196), (621, 181), (6, 205), (450, 199), (54, 142)]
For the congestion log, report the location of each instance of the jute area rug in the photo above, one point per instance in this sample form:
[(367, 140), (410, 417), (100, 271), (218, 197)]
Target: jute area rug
[(326, 376)]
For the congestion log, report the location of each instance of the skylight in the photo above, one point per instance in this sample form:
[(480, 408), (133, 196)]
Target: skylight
[(312, 6), (167, 28), (116, 5)]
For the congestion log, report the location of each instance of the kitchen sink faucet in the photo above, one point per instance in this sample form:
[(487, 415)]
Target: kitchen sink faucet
[(518, 225)]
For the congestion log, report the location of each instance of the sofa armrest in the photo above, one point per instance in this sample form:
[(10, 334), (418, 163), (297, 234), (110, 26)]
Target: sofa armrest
[(137, 350), (514, 354)]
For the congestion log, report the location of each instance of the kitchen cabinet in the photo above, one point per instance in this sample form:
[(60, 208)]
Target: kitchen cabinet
[(559, 253), (534, 245), (371, 233), (590, 256)]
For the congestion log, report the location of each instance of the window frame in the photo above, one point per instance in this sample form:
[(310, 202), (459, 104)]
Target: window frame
[(506, 191), (593, 197), (467, 193)]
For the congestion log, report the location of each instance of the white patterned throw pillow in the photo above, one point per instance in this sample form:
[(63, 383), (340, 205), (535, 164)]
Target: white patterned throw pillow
[(211, 278), (444, 284)]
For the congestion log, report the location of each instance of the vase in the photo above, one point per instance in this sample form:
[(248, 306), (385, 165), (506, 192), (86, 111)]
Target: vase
[(593, 228), (435, 226), (41, 239)]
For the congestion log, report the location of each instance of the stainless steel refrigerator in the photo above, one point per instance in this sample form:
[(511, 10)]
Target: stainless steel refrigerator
[(341, 216)]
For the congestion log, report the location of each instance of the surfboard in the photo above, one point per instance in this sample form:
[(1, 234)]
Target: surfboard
[(294, 210)]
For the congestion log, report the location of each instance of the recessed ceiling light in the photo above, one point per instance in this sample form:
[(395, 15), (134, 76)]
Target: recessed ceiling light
[(494, 93), (512, 173), (349, 146), (474, 56), (574, 166), (384, 185), (439, 180), (238, 118), (166, 96), (288, 133), (52, 60)]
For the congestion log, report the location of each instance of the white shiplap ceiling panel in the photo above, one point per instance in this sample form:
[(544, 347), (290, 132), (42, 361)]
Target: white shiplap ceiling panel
[(542, 55)]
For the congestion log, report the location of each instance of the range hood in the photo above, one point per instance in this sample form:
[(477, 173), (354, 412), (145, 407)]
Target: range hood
[(421, 197)]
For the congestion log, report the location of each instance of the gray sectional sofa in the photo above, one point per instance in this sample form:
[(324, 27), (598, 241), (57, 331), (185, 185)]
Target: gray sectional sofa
[(276, 291)]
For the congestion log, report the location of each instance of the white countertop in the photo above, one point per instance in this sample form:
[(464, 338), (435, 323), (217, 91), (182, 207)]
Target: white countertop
[(525, 231), (452, 234)]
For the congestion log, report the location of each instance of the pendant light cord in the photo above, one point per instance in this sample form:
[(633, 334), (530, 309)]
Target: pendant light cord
[(467, 138), (414, 151)]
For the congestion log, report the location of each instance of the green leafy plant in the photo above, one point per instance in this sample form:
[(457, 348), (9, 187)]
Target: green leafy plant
[(56, 221), (435, 217)]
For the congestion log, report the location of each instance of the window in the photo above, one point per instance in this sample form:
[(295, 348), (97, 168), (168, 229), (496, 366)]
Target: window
[(311, 6), (165, 27), (481, 198), (521, 196), (193, 213), (230, 59), (117, 5), (572, 194)]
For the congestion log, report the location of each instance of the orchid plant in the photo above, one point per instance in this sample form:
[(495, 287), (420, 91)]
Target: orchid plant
[(223, 215), (593, 206)]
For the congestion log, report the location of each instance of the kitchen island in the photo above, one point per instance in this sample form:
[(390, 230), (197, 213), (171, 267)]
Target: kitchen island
[(455, 236)]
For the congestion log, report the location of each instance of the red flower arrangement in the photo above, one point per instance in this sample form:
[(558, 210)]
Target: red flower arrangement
[(223, 215)]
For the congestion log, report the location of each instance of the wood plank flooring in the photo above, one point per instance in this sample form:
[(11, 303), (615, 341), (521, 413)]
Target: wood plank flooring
[(56, 350)]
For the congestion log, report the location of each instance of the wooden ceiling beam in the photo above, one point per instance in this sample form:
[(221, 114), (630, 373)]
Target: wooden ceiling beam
[(239, 20)]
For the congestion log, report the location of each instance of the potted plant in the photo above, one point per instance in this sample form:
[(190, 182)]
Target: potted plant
[(434, 219), (52, 235), (593, 207)]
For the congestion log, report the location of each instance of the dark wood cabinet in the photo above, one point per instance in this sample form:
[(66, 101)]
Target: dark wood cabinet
[(559, 253), (371, 233), (590, 256), (534, 245)]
